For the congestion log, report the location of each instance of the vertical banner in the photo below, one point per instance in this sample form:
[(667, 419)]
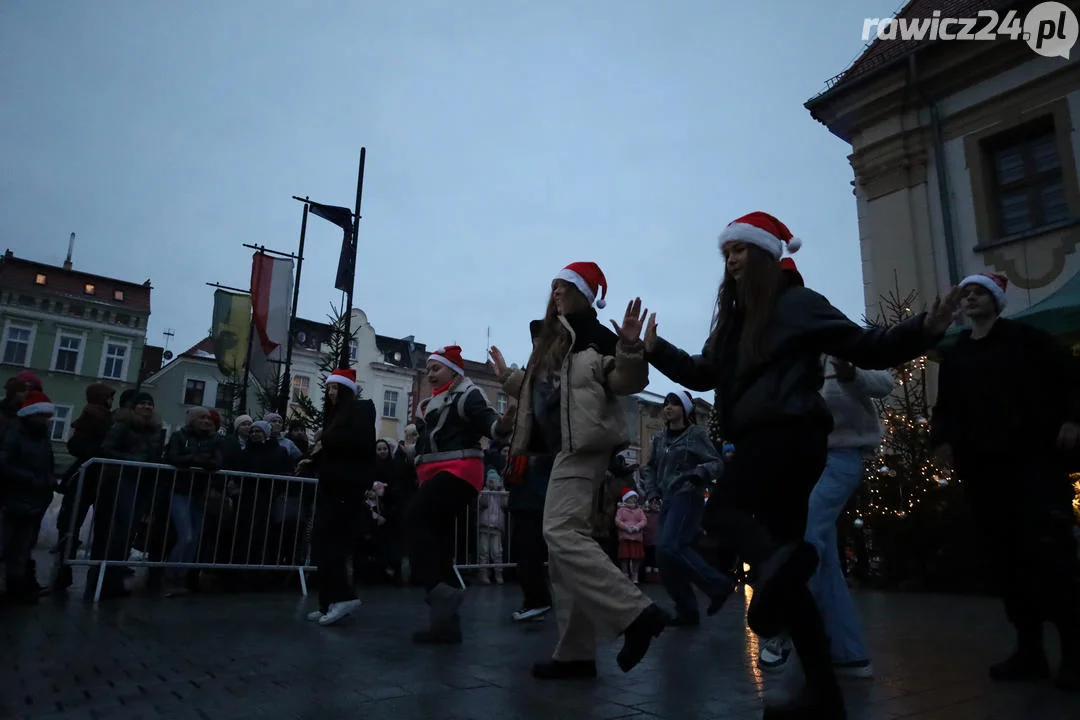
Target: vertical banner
[(231, 326), (271, 299)]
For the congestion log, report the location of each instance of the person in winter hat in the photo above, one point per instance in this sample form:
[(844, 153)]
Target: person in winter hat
[(762, 356), (277, 424), (450, 472), (33, 382), (682, 462), (630, 521), (343, 457), (1007, 420), (28, 481), (568, 406)]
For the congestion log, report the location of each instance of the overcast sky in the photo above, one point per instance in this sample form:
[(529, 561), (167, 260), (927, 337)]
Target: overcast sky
[(505, 139)]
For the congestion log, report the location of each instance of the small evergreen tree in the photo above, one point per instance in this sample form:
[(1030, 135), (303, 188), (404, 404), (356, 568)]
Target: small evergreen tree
[(304, 409), (910, 509)]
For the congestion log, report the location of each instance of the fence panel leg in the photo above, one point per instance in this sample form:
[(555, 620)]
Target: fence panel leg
[(100, 582), (303, 582), (460, 580)]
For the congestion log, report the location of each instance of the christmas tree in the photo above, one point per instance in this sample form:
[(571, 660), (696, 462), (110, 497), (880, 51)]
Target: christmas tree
[(909, 513), (303, 409), (902, 473)]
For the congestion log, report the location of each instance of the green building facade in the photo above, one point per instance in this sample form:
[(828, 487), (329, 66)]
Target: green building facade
[(71, 329)]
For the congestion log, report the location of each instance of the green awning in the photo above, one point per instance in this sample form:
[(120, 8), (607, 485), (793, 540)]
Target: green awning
[(1058, 314)]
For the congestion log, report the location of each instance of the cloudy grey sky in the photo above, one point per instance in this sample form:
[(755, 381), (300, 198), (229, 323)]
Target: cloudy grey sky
[(505, 139)]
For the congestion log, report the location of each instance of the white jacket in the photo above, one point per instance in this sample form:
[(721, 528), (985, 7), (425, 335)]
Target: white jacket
[(856, 423)]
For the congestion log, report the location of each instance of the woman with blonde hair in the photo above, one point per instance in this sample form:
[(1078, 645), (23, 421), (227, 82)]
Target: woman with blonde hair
[(568, 406)]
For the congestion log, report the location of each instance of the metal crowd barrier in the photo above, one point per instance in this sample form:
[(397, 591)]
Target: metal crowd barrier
[(467, 555), (226, 520)]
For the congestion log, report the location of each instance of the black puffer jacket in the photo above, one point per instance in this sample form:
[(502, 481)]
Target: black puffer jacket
[(347, 456), (26, 469)]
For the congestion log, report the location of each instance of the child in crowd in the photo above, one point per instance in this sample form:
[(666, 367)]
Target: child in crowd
[(630, 521), (493, 503)]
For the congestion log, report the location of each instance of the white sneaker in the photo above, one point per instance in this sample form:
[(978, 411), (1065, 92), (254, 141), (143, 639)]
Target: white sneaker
[(773, 653), (530, 614), (315, 616), (339, 611)]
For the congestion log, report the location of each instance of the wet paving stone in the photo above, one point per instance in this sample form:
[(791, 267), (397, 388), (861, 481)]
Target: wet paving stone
[(227, 657)]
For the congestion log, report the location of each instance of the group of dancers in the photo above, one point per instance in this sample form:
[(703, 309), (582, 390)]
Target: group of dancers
[(763, 358)]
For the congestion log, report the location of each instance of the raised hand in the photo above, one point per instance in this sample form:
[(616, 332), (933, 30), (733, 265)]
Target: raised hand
[(633, 321), (941, 315), (650, 334), (497, 362)]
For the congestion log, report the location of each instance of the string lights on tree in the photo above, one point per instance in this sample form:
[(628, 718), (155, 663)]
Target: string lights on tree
[(902, 473)]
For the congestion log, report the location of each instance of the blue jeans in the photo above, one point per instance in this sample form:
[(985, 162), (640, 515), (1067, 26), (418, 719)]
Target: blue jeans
[(680, 564), (840, 479), (187, 520)]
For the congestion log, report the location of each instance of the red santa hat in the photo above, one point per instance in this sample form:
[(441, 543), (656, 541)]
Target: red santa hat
[(589, 279), (450, 356), (994, 283), (343, 376), (36, 403), (787, 264), (628, 493), (763, 230)]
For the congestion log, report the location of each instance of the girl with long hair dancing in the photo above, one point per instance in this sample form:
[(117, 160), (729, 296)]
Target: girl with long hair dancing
[(763, 356)]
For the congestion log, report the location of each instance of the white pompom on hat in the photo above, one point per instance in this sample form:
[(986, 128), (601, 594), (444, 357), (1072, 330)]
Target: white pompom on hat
[(589, 279)]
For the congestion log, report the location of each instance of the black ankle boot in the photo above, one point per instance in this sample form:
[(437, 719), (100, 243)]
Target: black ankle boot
[(639, 635)]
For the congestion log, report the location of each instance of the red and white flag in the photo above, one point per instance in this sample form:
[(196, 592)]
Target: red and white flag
[(271, 302)]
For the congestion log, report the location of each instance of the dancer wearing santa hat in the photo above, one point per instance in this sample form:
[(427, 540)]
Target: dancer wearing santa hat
[(683, 461), (344, 458), (1008, 420), (450, 472), (568, 406), (27, 475), (763, 355)]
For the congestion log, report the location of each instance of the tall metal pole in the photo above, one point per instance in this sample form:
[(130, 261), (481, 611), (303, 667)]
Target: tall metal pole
[(247, 368), (344, 362), (286, 380)]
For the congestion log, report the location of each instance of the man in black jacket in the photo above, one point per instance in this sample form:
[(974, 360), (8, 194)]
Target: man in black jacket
[(1007, 419)]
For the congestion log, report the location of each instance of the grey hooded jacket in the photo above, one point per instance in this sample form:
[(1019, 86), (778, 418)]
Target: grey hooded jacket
[(686, 462)]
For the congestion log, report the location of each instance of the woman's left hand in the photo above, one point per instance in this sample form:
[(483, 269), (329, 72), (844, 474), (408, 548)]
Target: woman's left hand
[(633, 320)]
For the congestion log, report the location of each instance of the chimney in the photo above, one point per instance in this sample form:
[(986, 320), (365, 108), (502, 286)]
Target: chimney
[(71, 249)]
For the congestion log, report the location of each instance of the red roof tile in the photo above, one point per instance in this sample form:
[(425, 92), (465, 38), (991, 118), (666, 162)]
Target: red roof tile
[(883, 52), (20, 274)]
